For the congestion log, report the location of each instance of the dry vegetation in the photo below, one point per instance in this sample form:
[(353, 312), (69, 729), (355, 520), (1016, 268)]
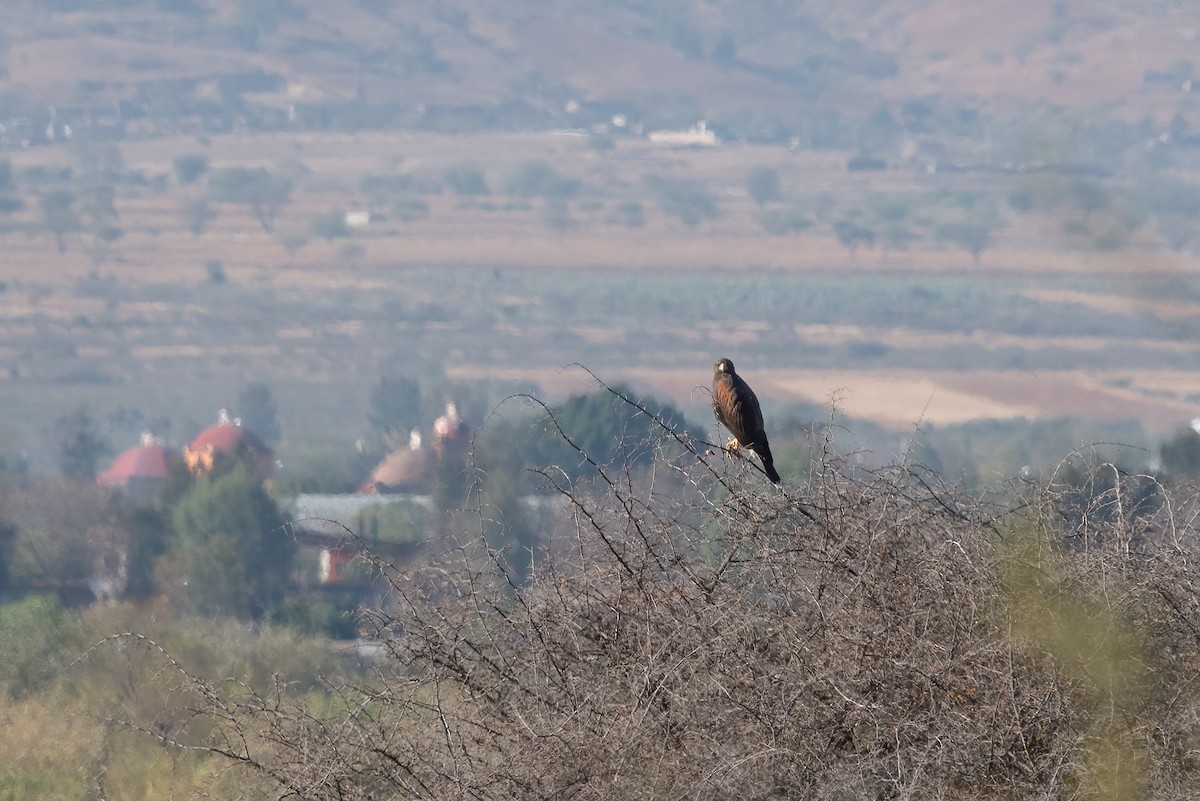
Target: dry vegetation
[(691, 632)]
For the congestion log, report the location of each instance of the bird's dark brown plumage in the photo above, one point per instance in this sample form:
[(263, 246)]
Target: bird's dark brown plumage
[(736, 407)]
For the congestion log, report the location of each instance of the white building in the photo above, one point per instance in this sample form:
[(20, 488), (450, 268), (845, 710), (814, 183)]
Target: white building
[(696, 136)]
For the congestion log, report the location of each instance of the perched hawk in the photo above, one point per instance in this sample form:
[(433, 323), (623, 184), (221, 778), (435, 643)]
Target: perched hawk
[(737, 409)]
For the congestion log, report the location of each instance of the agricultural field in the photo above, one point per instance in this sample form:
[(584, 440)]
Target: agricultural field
[(199, 195), (506, 289)]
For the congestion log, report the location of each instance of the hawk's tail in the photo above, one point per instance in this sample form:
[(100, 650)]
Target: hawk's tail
[(764, 452)]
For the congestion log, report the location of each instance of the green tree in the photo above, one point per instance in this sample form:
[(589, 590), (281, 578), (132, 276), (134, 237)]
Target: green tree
[(556, 214), (1178, 230), (601, 142), (1022, 200), (36, 633), (779, 222), (100, 223), (895, 236), (539, 179), (148, 529), (99, 166), (610, 430), (330, 226), (630, 213), (81, 445), (382, 190), (685, 199), (256, 408), (762, 184), (1171, 196), (409, 208), (262, 192), (9, 203), (449, 485), (852, 235), (67, 534), (59, 216), (466, 179), (214, 270), (1180, 455), (507, 530), (232, 553), (190, 168), (724, 52), (395, 408), (196, 214), (973, 236), (266, 15), (1089, 196), (190, 8), (879, 131), (889, 208), (8, 536)]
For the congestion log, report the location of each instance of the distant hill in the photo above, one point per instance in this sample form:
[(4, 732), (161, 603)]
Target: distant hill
[(755, 69)]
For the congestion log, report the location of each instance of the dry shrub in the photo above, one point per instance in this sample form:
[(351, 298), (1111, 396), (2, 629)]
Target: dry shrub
[(692, 632)]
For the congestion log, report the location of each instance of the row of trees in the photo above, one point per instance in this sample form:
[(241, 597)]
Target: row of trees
[(1088, 209)]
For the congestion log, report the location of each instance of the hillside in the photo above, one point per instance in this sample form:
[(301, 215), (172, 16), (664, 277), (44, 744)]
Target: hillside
[(757, 69)]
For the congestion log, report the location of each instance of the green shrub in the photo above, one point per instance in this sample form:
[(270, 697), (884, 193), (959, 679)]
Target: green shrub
[(467, 180), (38, 637), (539, 179), (783, 221), (233, 554), (762, 184), (688, 200), (630, 213)]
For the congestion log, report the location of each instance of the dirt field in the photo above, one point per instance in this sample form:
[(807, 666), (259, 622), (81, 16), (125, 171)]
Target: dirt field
[(483, 290), (902, 399)]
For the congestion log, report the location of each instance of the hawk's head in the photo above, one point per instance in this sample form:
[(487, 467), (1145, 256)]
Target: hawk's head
[(724, 366)]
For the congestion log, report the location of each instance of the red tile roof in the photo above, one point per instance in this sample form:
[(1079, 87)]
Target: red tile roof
[(140, 461), (228, 438)]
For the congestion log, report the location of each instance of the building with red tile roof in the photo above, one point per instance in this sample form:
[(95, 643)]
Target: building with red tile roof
[(227, 437), (140, 471)]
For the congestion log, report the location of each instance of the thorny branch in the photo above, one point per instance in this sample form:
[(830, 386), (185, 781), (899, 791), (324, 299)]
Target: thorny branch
[(697, 634)]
